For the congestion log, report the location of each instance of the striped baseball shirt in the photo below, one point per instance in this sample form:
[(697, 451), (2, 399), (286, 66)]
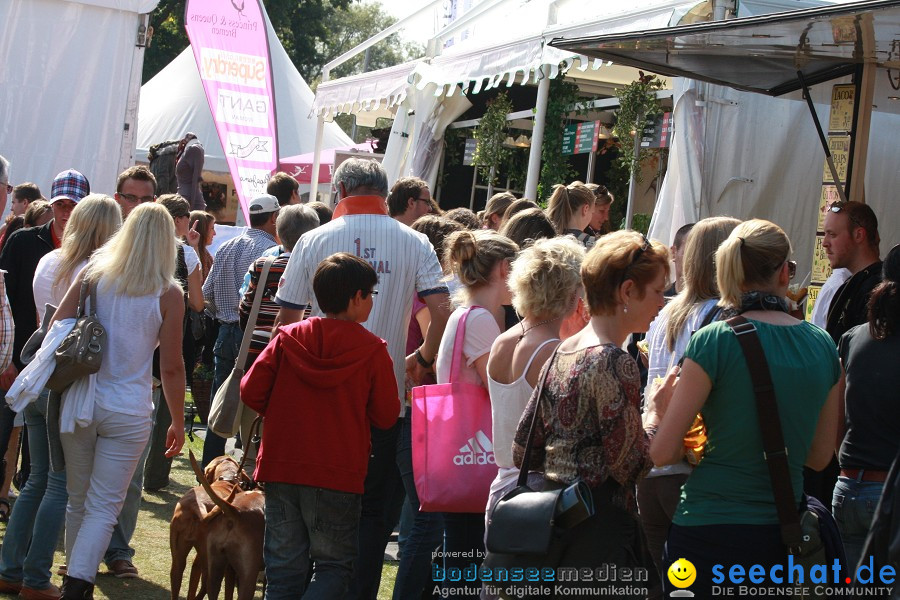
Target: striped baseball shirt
[(404, 260)]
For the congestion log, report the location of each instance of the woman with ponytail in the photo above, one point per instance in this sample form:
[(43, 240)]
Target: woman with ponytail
[(570, 209), (727, 514), (869, 354), (481, 262)]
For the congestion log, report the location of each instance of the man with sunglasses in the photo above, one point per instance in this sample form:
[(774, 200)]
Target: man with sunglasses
[(851, 242), (135, 186), (409, 199)]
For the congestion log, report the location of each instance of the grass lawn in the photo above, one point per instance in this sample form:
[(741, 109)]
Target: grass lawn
[(151, 542)]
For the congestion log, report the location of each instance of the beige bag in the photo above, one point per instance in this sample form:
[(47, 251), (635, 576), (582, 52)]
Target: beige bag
[(81, 351), (225, 411)]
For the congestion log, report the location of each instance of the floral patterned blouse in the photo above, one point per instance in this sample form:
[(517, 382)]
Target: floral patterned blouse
[(590, 425)]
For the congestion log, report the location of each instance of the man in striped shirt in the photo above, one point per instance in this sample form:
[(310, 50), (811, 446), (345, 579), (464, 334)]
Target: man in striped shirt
[(221, 291), (406, 264)]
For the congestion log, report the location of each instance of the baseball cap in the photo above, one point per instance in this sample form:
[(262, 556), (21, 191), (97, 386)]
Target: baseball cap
[(266, 203), (69, 185)]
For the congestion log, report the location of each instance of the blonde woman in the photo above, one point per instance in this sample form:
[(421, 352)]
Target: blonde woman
[(692, 308), (570, 209), (545, 281), (727, 512), (481, 261), (589, 426), (141, 305), (27, 552)]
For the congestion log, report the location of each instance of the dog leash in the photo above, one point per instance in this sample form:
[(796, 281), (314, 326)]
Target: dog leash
[(254, 439)]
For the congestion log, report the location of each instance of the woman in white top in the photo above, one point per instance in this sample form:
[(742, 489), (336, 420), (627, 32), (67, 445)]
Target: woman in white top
[(481, 261), (27, 552), (693, 307), (545, 282), (141, 305)]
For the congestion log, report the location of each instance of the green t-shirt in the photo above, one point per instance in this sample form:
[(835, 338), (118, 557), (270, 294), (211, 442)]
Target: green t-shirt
[(731, 484)]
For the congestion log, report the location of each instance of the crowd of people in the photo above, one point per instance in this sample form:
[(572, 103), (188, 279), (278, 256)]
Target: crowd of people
[(539, 311)]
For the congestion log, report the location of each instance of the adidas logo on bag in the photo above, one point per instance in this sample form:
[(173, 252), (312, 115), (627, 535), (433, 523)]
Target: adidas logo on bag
[(478, 451)]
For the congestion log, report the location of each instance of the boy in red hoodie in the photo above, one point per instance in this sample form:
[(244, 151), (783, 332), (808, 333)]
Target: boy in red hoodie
[(320, 384)]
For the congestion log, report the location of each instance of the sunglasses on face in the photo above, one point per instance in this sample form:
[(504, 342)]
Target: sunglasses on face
[(792, 268)]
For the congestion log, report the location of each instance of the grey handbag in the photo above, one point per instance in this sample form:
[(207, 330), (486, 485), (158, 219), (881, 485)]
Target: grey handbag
[(81, 351)]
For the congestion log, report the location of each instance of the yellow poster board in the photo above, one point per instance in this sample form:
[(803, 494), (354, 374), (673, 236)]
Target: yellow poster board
[(829, 196), (821, 268), (842, 97), (840, 153), (812, 293)]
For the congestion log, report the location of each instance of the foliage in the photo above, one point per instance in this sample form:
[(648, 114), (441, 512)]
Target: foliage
[(638, 106), (202, 372), (311, 31), (489, 135), (639, 222), (555, 166), (454, 147), (516, 167)]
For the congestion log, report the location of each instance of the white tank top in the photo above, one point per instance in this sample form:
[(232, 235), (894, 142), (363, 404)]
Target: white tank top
[(508, 401), (124, 382)]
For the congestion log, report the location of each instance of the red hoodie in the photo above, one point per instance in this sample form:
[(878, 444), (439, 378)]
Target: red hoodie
[(320, 384)]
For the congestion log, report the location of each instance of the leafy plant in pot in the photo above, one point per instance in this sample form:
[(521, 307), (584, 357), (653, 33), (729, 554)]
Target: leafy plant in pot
[(201, 386)]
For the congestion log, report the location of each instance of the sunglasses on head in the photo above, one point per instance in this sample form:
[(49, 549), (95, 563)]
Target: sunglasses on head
[(838, 206), (792, 268), (637, 256)]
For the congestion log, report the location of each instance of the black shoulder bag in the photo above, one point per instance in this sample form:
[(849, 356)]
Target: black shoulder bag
[(801, 531)]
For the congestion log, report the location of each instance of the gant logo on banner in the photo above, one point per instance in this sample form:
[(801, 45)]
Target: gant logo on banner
[(241, 108), (478, 451)]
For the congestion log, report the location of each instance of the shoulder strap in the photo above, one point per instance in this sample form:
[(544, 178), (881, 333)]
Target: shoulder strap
[(254, 313), (535, 353), (86, 287), (774, 448), (526, 457), (458, 343)]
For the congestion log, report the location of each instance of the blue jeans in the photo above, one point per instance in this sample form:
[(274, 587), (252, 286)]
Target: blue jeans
[(414, 572), (853, 506), (225, 351), (120, 542), (381, 504), (309, 527), (35, 525)]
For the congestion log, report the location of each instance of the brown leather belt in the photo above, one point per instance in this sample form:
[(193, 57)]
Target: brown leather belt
[(867, 475)]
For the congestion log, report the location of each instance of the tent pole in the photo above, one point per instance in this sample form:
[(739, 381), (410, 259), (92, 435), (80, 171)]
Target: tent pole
[(317, 148), (537, 135), (632, 184), (812, 110)]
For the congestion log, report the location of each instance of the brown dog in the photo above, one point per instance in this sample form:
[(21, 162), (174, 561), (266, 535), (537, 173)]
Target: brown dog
[(187, 529), (234, 532)]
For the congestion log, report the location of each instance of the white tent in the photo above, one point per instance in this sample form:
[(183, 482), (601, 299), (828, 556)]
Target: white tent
[(70, 71), (173, 103)]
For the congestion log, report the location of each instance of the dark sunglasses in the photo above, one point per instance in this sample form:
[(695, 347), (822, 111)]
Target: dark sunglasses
[(792, 268), (838, 206), (9, 188), (637, 256)]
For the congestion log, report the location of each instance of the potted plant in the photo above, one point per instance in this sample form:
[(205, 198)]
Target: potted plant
[(201, 385)]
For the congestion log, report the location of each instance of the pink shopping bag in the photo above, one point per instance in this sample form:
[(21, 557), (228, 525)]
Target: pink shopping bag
[(452, 452)]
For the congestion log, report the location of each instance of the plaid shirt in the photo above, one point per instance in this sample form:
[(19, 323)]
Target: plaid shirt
[(7, 328), (231, 263)]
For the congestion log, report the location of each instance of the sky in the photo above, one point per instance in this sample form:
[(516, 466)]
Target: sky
[(418, 30)]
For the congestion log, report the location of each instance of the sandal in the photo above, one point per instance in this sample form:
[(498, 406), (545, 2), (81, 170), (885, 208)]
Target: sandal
[(5, 509)]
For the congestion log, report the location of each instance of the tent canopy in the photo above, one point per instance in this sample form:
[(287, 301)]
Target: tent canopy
[(762, 53), (173, 103)]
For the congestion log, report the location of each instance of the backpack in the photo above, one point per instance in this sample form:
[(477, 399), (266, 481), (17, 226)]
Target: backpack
[(162, 165)]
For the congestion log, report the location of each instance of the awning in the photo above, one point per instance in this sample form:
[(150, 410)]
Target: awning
[(376, 92), (760, 54)]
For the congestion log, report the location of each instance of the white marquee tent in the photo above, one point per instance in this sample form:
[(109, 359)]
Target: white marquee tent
[(173, 103)]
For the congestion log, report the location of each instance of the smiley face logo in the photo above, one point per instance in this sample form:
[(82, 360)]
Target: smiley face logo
[(682, 573)]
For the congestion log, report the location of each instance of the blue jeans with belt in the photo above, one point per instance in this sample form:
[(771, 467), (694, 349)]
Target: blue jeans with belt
[(35, 525), (853, 506), (225, 351)]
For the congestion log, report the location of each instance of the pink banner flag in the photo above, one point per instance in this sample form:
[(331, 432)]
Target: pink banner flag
[(231, 46)]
